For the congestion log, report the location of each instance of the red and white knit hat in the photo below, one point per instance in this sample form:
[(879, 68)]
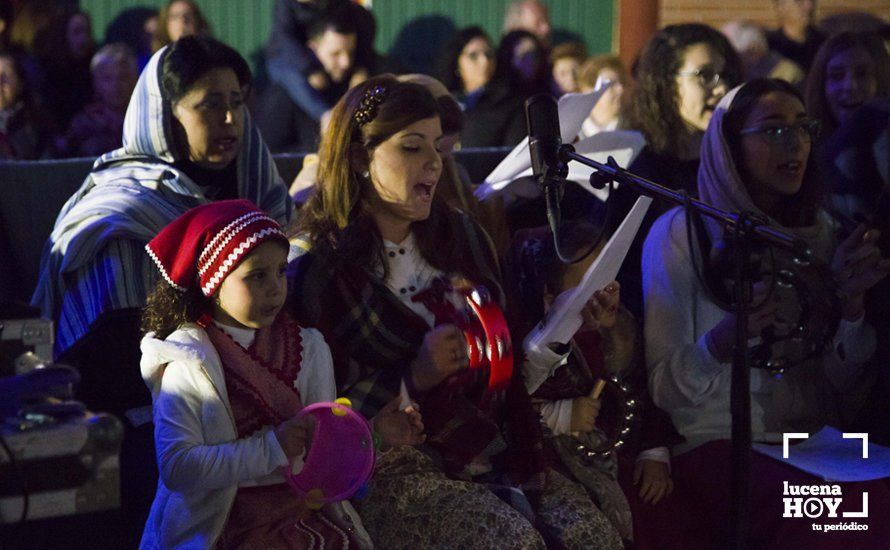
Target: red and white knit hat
[(202, 246)]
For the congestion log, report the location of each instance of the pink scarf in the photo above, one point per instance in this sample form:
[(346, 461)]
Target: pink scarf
[(261, 380)]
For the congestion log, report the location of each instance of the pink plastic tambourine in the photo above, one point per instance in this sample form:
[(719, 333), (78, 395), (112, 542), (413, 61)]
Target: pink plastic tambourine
[(341, 456)]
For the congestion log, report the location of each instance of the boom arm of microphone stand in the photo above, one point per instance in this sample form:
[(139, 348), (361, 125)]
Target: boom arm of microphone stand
[(611, 171)]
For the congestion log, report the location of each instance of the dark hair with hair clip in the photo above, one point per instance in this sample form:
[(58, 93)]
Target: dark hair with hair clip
[(367, 108), (337, 216)]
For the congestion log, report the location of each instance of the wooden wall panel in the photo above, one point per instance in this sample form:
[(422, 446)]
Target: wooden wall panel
[(717, 12)]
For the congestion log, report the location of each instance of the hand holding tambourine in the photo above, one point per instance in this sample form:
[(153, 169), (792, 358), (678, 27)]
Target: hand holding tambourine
[(475, 337)]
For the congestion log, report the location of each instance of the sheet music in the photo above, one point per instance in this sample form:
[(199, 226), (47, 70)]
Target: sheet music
[(828, 455), (622, 145), (572, 109), (564, 317)]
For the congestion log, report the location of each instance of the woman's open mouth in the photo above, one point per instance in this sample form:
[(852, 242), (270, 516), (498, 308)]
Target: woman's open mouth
[(227, 144), (425, 191), (792, 168)]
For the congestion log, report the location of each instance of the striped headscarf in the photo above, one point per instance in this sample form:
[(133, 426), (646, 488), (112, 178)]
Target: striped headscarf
[(94, 260)]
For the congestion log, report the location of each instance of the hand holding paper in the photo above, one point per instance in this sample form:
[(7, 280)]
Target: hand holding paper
[(564, 317)]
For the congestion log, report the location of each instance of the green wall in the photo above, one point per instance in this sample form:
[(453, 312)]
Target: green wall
[(245, 24)]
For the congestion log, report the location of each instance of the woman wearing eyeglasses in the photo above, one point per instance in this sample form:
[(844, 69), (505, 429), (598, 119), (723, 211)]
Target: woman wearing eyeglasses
[(755, 157), (494, 114), (682, 73)]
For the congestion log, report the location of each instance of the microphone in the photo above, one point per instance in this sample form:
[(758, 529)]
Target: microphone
[(544, 145), (544, 141)]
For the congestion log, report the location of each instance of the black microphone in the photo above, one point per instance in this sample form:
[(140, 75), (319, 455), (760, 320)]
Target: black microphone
[(544, 141), (545, 146)]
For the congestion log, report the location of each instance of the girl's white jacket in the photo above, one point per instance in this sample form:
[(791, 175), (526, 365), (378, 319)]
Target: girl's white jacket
[(200, 458)]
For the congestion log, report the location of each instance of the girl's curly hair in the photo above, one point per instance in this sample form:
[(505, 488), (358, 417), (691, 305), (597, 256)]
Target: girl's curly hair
[(168, 308), (654, 104)]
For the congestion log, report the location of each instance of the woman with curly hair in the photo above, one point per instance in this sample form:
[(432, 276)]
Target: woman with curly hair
[(682, 74)]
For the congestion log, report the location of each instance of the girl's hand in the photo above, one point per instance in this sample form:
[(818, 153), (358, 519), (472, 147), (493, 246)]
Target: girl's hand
[(722, 337), (857, 266), (601, 311), (397, 427), (654, 480), (294, 435), (584, 412), (443, 352)]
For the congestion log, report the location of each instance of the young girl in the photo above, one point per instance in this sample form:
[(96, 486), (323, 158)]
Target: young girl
[(562, 381), (228, 372)]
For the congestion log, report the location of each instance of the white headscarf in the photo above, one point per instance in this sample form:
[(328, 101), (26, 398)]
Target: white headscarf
[(130, 195), (720, 185)]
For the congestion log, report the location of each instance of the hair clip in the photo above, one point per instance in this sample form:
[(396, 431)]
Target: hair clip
[(367, 109)]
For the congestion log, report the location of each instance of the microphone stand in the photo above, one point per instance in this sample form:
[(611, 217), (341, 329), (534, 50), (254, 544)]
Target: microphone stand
[(745, 228)]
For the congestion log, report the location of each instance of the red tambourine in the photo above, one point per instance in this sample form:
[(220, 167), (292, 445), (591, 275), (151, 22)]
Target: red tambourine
[(488, 338)]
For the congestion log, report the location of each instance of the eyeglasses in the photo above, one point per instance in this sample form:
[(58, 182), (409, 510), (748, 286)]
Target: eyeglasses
[(707, 77), (807, 130)]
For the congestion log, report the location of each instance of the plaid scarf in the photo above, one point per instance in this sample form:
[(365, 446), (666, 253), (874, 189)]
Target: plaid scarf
[(261, 380), (374, 338)]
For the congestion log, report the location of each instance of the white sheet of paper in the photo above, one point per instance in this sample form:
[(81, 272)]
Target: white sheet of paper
[(564, 317), (828, 455), (622, 145), (573, 109)]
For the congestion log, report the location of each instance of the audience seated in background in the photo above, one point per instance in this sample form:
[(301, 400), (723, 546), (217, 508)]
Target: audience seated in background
[(758, 61), (522, 63), (289, 125), (6, 14), (292, 64), (606, 115), (796, 38), (135, 27), (29, 35), (493, 113), (65, 56), (528, 15), (177, 19), (25, 131), (99, 127), (565, 62)]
